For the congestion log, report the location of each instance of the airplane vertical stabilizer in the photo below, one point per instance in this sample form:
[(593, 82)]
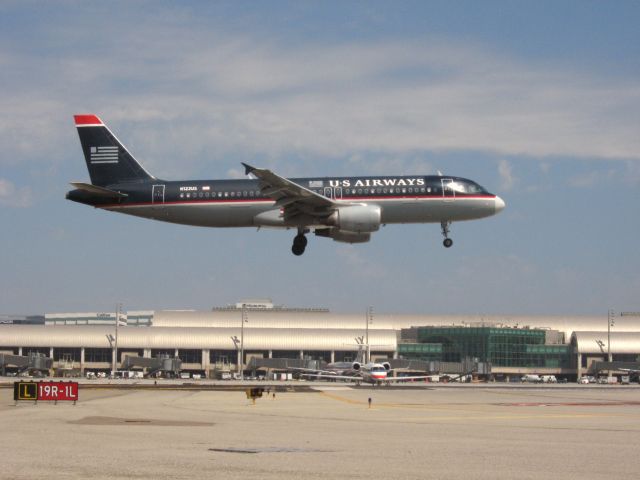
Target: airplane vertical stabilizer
[(107, 159)]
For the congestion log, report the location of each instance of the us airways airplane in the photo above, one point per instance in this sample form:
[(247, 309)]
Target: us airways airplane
[(346, 209)]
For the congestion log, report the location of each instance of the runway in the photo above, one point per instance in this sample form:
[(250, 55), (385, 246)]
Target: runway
[(443, 432)]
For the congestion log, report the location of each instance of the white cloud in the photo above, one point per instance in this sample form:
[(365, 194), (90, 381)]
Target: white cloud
[(506, 175), (12, 196), (191, 93)]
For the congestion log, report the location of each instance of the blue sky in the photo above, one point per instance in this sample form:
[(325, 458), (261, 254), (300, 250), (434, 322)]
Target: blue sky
[(537, 101)]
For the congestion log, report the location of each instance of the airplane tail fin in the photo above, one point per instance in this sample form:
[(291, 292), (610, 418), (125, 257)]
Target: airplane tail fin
[(108, 161)]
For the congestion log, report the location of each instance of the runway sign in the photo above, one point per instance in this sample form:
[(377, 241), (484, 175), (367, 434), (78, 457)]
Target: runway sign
[(46, 391)]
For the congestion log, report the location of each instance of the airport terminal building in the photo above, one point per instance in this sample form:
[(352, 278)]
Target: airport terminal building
[(231, 338)]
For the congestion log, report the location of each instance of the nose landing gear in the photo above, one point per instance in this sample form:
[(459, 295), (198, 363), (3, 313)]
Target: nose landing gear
[(445, 232), (299, 244)]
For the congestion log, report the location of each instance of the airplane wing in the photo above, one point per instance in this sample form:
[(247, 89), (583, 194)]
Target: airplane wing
[(406, 379), (333, 376), (329, 373), (293, 198)]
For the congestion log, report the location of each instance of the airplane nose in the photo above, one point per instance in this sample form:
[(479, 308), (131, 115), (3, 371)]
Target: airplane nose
[(499, 204)]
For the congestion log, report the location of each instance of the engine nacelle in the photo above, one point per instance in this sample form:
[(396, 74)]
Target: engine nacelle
[(345, 237), (356, 366), (356, 219)]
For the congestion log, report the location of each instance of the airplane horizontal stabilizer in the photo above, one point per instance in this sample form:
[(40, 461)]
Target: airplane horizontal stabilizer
[(100, 191)]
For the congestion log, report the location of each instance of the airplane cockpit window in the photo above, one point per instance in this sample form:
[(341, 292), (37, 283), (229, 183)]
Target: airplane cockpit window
[(473, 187), (464, 186)]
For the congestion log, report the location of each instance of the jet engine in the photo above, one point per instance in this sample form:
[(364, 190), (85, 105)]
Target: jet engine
[(356, 219), (355, 366)]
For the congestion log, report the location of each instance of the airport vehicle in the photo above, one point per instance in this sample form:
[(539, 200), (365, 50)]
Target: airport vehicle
[(531, 378), (587, 379), (345, 209)]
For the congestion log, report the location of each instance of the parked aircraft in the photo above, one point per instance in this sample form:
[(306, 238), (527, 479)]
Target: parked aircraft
[(346, 209), (372, 372)]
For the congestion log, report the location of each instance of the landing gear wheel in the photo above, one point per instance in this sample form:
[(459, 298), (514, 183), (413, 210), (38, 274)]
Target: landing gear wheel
[(445, 233), (299, 244), (300, 239)]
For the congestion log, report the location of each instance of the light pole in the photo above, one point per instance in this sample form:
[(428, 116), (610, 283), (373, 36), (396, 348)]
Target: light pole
[(114, 342), (243, 320), (369, 320), (236, 343), (610, 323)]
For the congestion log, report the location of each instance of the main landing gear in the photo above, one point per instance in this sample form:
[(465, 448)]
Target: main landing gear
[(299, 243), (445, 232)]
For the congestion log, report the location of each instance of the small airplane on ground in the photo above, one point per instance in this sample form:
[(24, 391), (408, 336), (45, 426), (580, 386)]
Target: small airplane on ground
[(371, 372), (362, 370), (346, 209)]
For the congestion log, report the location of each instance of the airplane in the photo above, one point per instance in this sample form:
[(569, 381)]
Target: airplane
[(372, 372), (359, 370), (345, 209)]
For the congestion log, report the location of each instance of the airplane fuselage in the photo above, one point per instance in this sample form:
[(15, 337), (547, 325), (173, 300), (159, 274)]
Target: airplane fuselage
[(240, 203)]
